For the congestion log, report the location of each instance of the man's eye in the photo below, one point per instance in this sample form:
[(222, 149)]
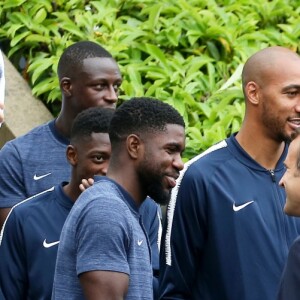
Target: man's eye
[(292, 93), (99, 86), (172, 150), (99, 158), (116, 88)]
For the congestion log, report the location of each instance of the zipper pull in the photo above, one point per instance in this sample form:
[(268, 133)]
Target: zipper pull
[(272, 175)]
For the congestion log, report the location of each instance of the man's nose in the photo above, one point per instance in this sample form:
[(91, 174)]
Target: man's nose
[(112, 95)]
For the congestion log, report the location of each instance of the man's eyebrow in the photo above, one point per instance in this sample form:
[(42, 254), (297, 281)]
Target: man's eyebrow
[(176, 146), (291, 86)]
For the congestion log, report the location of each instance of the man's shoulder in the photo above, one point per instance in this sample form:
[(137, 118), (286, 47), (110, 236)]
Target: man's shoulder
[(212, 157), (34, 203), (105, 187), (38, 133), (104, 193)]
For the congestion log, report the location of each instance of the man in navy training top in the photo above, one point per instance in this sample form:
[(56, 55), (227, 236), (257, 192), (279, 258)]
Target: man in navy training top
[(290, 281), (104, 252), (226, 236), (88, 77), (31, 233)]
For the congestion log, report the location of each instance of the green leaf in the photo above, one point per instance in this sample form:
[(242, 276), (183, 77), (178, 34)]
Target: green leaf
[(156, 53), (38, 39), (40, 16), (213, 50), (44, 86), (13, 3), (236, 76), (18, 38), (154, 12), (39, 68), (13, 29)]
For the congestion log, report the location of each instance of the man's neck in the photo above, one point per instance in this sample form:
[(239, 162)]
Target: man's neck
[(263, 150), (63, 125), (129, 183), (72, 190)]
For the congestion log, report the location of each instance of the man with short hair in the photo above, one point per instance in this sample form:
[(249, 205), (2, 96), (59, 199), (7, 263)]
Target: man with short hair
[(225, 235), (30, 236), (104, 252), (88, 77), (290, 281)]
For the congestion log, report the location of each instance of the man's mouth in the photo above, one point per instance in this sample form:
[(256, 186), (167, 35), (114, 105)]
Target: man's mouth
[(294, 122), (171, 180)]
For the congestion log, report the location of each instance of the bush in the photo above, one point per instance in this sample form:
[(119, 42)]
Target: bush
[(185, 52)]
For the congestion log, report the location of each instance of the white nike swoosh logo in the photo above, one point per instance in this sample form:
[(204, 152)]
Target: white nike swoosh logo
[(48, 245), (140, 242), (35, 177), (239, 207)]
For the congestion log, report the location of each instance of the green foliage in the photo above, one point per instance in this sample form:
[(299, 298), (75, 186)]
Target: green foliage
[(185, 52)]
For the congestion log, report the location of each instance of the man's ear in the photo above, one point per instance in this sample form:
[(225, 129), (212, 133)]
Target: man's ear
[(133, 143), (252, 92), (71, 154), (65, 86)]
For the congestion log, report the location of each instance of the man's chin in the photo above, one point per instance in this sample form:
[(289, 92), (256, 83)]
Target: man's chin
[(292, 211), (162, 199)]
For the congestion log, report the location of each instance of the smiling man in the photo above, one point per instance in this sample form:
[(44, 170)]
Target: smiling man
[(88, 77), (290, 282), (226, 236), (104, 251), (29, 244)]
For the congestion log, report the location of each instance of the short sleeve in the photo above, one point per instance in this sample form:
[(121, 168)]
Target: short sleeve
[(102, 237)]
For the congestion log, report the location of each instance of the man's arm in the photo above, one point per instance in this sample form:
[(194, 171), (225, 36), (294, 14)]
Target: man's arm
[(182, 240), (98, 285), (102, 235), (13, 260)]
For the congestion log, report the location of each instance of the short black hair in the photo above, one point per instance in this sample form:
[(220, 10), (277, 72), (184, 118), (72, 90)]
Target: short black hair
[(142, 115), (94, 119), (73, 56)]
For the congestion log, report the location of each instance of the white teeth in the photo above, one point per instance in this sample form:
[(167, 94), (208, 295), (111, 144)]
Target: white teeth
[(295, 121)]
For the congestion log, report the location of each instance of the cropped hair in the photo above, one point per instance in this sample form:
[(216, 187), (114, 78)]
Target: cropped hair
[(73, 56), (91, 120), (140, 116)]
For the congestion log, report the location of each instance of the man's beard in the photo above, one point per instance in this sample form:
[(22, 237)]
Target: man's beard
[(152, 183), (275, 125), (157, 193)]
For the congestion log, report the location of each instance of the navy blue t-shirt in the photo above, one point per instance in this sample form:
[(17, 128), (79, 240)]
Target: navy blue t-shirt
[(29, 245), (30, 238), (32, 163), (103, 232)]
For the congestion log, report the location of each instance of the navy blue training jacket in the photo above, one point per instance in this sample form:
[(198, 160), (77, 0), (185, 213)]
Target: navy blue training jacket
[(226, 236)]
